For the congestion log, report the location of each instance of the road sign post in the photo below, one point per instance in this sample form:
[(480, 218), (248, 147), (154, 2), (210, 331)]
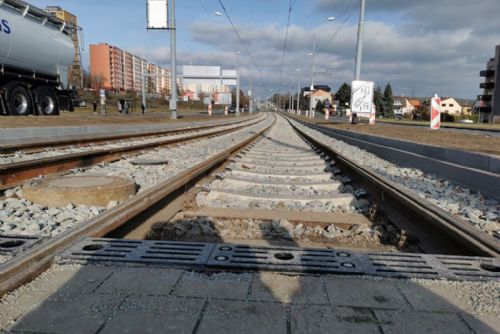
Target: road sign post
[(362, 98), (161, 16)]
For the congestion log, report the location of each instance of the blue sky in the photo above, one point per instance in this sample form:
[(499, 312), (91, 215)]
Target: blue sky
[(408, 43)]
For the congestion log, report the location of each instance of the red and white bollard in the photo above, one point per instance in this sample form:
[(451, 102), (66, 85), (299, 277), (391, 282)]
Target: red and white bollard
[(210, 110), (435, 112), (226, 110), (372, 115)]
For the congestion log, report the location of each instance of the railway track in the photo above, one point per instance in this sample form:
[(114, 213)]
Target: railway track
[(275, 186), (29, 165)]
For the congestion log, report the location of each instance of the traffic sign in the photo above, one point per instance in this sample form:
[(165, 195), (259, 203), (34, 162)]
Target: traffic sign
[(362, 97)]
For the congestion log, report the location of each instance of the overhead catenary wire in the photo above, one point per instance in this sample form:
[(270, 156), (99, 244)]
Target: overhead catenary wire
[(348, 16), (290, 8), (242, 42)]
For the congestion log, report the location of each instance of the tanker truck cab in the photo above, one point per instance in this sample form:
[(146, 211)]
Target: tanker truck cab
[(36, 53)]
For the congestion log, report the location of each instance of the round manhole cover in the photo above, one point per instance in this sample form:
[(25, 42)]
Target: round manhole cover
[(148, 162), (91, 190)]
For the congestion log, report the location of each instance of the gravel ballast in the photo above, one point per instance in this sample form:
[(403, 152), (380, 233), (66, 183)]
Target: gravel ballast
[(481, 212), (19, 216)]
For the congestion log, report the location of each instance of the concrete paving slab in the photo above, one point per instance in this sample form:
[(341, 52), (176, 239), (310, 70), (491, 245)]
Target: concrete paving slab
[(31, 296), (411, 322), (288, 289), (213, 285), (234, 317), (145, 314), (84, 314), (429, 298), (359, 292), (141, 281), (327, 319), (483, 324)]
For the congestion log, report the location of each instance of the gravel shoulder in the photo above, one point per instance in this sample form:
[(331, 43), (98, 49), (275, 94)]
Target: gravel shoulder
[(480, 143)]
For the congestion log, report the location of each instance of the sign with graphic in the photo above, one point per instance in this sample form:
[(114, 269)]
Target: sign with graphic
[(362, 98)]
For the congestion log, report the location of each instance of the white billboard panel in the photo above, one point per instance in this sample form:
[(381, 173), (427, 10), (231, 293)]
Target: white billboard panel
[(229, 73), (362, 98), (201, 71), (157, 14)]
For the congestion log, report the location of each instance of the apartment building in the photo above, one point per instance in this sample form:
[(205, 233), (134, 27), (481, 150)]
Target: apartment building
[(120, 70), (489, 102)]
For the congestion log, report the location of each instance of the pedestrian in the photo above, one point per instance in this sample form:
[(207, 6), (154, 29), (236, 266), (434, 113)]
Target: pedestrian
[(94, 104), (125, 107), (119, 106), (143, 108)]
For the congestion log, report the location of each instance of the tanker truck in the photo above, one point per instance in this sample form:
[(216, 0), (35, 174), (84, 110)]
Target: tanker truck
[(36, 52)]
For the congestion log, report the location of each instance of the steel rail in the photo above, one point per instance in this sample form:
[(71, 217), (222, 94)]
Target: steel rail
[(17, 173), (436, 229), (26, 266), (84, 140)]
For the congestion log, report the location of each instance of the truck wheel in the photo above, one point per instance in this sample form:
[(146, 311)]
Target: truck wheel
[(47, 101), (19, 101)]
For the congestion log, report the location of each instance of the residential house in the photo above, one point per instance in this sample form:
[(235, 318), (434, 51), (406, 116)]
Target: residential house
[(404, 106), (451, 107)]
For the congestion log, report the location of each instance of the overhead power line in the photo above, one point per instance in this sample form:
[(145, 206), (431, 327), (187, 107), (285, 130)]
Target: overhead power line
[(242, 42), (348, 16), (290, 8)]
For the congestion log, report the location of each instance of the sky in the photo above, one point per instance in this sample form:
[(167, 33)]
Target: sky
[(420, 47)]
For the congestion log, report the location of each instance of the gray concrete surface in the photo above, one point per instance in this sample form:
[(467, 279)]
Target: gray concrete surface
[(12, 136), (101, 299)]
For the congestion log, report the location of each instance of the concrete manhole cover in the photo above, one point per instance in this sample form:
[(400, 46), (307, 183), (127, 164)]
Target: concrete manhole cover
[(149, 162), (92, 190)]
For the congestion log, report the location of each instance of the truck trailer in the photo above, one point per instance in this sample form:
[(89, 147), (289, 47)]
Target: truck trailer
[(36, 52)]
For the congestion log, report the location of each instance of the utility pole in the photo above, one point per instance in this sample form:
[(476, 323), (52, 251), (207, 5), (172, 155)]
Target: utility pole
[(312, 77), (298, 93), (250, 96), (359, 48), (173, 65), (237, 83)]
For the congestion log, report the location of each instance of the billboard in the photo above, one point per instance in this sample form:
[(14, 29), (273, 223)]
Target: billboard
[(362, 97), (157, 14)]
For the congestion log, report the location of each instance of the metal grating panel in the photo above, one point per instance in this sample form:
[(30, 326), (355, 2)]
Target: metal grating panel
[(432, 266), (14, 244), (288, 259), (285, 259), (153, 252)]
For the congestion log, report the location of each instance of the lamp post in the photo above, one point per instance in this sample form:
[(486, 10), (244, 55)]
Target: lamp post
[(312, 77), (173, 65), (237, 83), (298, 92), (359, 47)]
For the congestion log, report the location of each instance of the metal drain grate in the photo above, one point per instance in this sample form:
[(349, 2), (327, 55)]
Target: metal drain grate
[(278, 258), (431, 266), (14, 244), (284, 259), (154, 252)]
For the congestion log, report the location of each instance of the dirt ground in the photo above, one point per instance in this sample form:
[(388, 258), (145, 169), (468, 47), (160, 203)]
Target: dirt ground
[(482, 143), (72, 119)]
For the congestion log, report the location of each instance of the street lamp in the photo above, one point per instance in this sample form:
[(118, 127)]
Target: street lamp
[(238, 83), (298, 92), (313, 54), (312, 77)]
